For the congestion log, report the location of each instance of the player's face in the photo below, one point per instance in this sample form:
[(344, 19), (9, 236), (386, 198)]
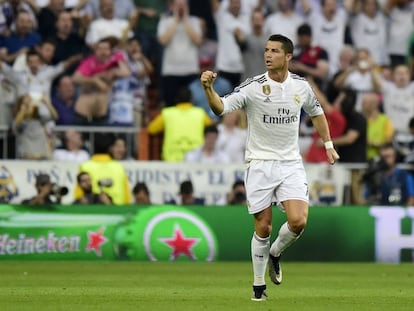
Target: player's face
[(275, 57)]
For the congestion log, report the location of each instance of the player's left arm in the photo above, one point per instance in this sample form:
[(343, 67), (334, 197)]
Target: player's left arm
[(321, 125)]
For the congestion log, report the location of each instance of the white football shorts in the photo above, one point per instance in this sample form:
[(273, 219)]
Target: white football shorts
[(269, 182)]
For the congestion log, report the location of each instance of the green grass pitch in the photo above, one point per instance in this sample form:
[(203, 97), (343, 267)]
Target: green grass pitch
[(124, 286)]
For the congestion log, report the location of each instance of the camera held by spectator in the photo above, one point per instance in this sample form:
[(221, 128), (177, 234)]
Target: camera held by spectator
[(58, 190), (47, 192)]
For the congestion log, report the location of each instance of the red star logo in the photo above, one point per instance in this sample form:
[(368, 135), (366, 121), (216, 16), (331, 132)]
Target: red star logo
[(180, 244), (95, 241)]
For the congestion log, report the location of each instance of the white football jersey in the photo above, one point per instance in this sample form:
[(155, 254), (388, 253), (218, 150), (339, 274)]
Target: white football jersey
[(273, 114)]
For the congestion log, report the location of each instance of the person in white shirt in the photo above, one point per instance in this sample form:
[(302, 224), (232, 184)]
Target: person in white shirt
[(232, 28), (72, 149), (398, 101), (180, 35), (232, 138), (328, 28), (285, 21), (362, 77), (400, 27), (208, 152), (368, 29), (108, 25), (275, 173)]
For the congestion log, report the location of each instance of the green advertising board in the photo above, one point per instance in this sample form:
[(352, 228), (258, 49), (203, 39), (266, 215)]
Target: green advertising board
[(207, 233)]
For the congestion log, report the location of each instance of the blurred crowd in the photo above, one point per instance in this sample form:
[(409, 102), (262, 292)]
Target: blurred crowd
[(136, 64)]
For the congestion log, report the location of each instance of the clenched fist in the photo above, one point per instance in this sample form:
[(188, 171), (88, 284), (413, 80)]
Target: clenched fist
[(207, 78)]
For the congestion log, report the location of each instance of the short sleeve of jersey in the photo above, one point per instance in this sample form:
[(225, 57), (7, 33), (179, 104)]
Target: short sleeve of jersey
[(238, 98), (312, 106)]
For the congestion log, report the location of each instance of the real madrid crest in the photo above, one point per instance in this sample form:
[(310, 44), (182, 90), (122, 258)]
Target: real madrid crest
[(297, 99), (266, 89)]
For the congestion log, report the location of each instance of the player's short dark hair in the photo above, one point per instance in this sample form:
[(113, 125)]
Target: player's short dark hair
[(287, 44), (304, 30)]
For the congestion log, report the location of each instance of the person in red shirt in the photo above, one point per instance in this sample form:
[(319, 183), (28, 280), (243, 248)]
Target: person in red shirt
[(95, 76), (309, 60)]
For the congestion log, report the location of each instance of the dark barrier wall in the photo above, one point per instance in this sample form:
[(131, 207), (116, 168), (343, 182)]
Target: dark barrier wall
[(207, 233)]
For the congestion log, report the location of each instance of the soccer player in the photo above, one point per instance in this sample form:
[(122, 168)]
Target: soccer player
[(275, 172)]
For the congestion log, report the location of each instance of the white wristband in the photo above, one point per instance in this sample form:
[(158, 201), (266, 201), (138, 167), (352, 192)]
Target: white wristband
[(329, 144)]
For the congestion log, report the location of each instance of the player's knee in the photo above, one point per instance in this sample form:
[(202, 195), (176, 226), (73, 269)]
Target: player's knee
[(263, 229), (297, 225)]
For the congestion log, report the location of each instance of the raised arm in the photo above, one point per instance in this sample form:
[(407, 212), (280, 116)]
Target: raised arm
[(207, 79)]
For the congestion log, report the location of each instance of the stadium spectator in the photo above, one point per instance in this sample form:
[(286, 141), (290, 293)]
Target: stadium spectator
[(95, 75), (368, 29), (401, 24), (46, 51), (32, 135), (254, 42), (186, 195), (398, 100), (380, 130), (150, 12), (352, 145), (141, 194), (284, 21), (129, 94), (72, 148), (119, 150), (19, 41), (47, 18), (180, 35), (107, 175), (328, 27), (232, 138), (207, 51), (387, 184), (405, 148), (346, 59), (10, 90), (183, 127), (17, 6), (68, 42), (232, 27), (309, 60), (64, 101), (209, 151), (362, 77), (108, 25), (38, 77), (44, 189), (122, 10), (336, 122), (237, 195), (85, 184)]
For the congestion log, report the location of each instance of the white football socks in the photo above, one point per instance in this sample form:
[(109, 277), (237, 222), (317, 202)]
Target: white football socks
[(260, 256), (283, 240)]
